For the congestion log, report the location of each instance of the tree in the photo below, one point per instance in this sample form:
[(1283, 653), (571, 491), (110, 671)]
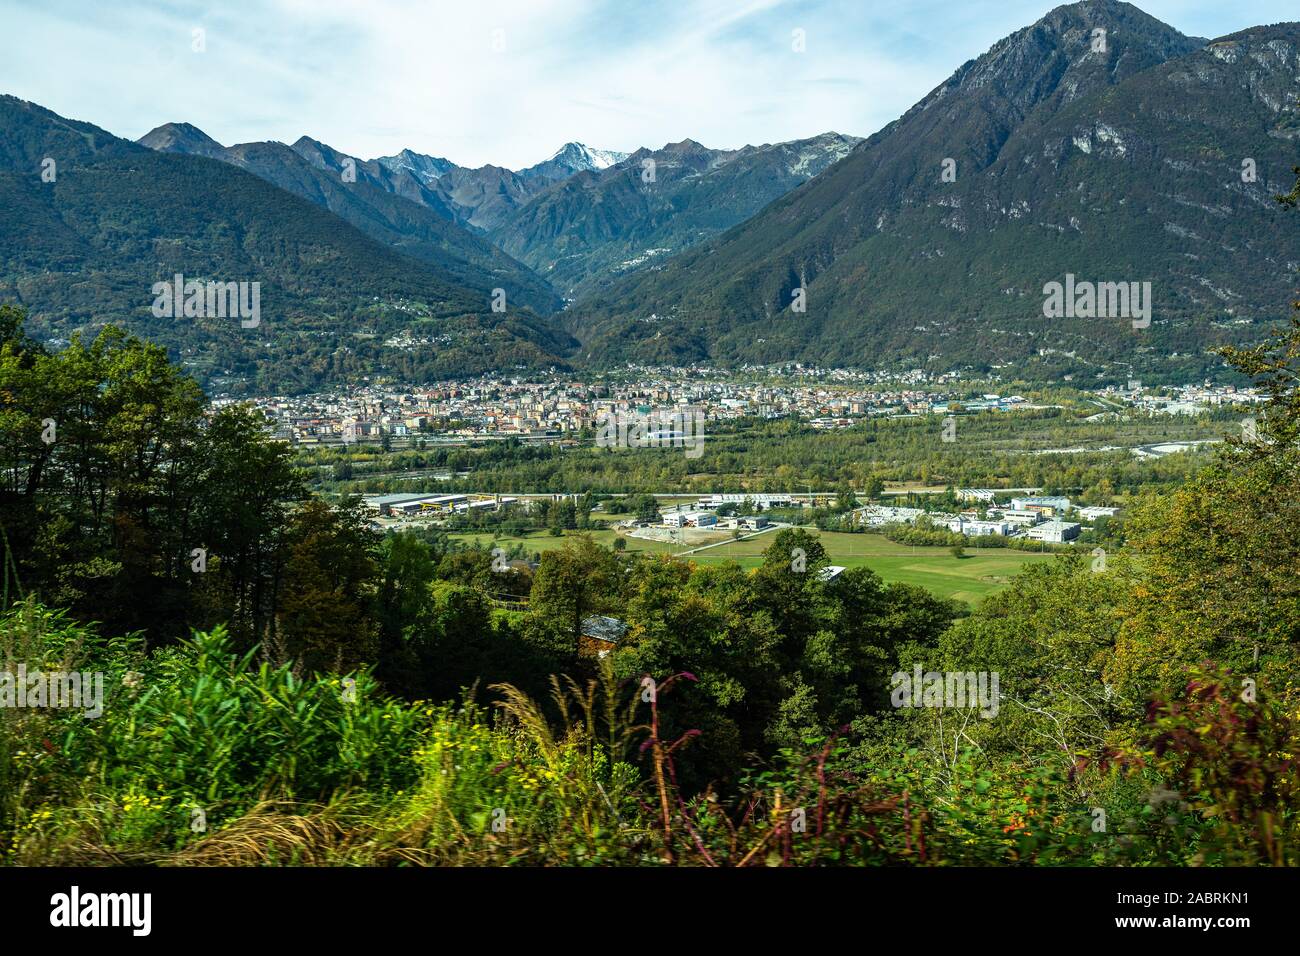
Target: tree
[(100, 453), (245, 492), (407, 568), (329, 583), (700, 620), (572, 582), (846, 499), (1221, 552), (645, 507)]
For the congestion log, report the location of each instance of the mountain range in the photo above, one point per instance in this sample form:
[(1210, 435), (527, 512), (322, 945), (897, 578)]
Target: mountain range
[(482, 198), (386, 205), (1096, 145), (579, 219), (598, 225), (89, 222)]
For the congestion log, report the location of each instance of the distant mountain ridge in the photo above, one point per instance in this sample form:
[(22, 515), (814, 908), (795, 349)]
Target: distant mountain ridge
[(391, 207), (597, 225), (573, 158), (575, 221), (482, 198), (1097, 142), (84, 247)]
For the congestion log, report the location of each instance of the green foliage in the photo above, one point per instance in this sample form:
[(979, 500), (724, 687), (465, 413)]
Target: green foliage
[(743, 717), (199, 726), (1229, 748), (759, 455)]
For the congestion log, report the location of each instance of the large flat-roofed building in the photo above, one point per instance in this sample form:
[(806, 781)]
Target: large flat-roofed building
[(757, 500), (1093, 513), (1021, 519), (412, 504), (1044, 503), (482, 504), (1053, 532), (441, 502), (978, 529)]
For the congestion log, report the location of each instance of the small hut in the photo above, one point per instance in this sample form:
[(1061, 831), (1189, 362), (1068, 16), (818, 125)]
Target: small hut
[(600, 635)]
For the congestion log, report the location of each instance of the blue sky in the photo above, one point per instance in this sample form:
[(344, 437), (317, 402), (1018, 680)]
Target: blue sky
[(509, 81)]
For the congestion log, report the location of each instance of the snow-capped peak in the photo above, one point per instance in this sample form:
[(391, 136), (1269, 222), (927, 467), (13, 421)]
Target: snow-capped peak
[(580, 156)]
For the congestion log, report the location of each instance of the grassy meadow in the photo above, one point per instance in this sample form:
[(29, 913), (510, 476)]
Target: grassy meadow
[(970, 578)]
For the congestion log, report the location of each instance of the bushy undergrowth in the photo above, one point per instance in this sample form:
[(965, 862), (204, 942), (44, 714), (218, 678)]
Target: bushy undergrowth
[(204, 757)]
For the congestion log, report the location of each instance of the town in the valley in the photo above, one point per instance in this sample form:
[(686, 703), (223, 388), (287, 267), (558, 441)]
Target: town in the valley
[(557, 408)]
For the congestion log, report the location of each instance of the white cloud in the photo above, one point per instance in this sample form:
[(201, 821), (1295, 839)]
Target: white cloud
[(373, 76)]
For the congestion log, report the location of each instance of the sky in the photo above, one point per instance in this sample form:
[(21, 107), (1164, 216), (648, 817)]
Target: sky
[(510, 81)]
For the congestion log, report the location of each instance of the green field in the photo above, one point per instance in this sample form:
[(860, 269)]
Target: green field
[(967, 579)]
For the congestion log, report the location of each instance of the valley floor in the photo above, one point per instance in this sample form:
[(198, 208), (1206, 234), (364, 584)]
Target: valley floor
[(970, 578)]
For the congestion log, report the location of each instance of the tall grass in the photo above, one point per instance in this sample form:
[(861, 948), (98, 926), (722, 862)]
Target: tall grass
[(205, 757)]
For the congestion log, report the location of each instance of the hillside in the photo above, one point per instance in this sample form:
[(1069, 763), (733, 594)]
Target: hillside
[(1122, 165), (85, 250), (396, 214)]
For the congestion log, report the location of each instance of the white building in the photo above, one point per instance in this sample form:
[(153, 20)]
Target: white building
[(412, 504), (1021, 519), (978, 529), (1093, 513), (690, 519), (1042, 503), (1053, 532), (763, 501)]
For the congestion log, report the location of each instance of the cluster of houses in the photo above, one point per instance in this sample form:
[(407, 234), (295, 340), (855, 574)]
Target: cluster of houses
[(1052, 519), (703, 514), (558, 407), (1183, 399)]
